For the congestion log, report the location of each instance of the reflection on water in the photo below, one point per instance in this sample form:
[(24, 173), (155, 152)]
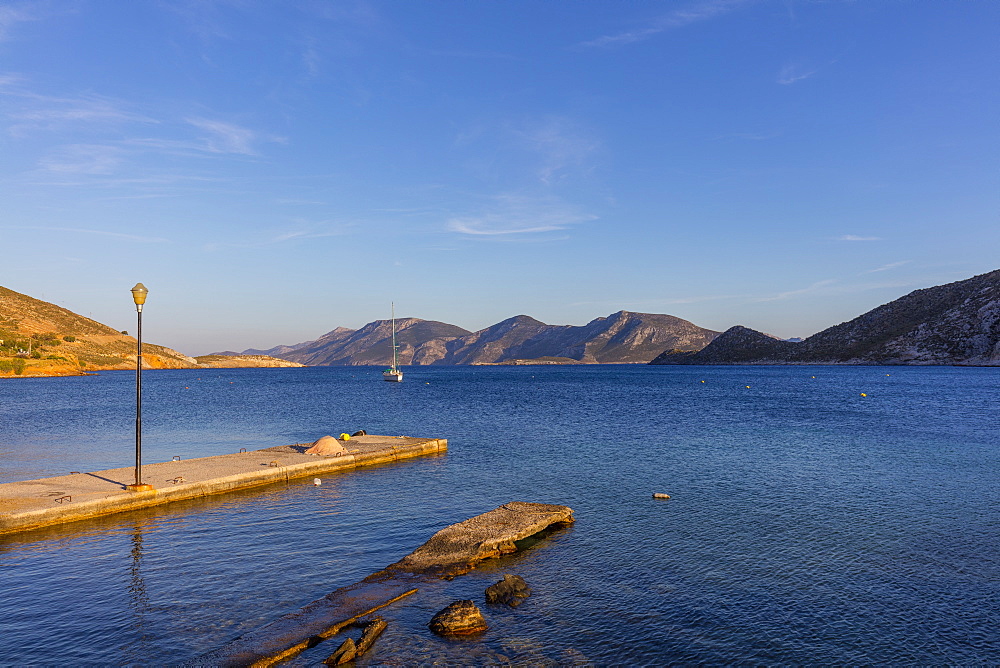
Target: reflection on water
[(807, 525), (138, 598)]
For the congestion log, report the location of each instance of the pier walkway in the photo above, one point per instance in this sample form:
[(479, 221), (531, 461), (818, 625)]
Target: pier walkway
[(36, 503)]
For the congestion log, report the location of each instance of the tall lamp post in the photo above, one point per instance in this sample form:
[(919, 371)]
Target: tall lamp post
[(139, 293)]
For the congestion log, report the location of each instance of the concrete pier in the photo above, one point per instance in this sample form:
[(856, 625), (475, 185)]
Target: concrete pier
[(36, 503)]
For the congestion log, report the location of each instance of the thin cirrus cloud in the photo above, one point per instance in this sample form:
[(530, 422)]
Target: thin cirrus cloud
[(887, 267), (856, 237), (225, 137), (559, 146), (216, 137), (309, 232), (511, 215), (83, 159), (13, 13), (79, 230), (693, 13), (818, 285), (50, 113), (793, 74)]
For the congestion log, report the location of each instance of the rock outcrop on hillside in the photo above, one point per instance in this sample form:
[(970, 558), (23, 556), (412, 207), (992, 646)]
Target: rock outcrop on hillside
[(956, 323), (621, 338)]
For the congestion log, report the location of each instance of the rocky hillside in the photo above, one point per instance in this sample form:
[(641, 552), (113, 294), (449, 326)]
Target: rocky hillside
[(957, 323), (419, 341), (39, 338), (622, 338)]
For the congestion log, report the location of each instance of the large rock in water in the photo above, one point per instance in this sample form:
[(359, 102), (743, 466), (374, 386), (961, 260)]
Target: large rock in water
[(457, 548), (459, 618), (512, 590)]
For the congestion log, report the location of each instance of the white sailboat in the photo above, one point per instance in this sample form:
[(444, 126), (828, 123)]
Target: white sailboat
[(393, 374)]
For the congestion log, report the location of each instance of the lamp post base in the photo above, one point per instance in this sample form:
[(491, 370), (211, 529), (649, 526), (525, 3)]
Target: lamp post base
[(139, 488)]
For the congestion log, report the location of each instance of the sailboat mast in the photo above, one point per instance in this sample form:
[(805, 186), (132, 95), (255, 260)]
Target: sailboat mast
[(393, 306)]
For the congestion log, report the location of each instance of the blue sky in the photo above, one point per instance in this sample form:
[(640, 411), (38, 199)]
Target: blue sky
[(272, 170)]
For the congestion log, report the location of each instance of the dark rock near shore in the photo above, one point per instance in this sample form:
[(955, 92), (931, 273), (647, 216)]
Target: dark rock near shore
[(512, 591), (459, 618)]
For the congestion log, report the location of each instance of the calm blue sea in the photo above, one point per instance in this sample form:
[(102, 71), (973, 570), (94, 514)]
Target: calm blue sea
[(808, 525)]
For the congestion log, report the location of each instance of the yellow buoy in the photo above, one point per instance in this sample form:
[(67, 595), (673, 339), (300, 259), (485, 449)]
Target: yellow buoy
[(345, 437), (863, 394), (703, 381), (748, 387)]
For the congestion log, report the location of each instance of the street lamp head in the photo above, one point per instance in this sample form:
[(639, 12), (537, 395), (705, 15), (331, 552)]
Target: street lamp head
[(139, 293)]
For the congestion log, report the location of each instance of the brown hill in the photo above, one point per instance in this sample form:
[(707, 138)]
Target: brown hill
[(40, 338)]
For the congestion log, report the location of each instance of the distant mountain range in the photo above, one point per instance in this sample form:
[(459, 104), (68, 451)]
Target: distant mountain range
[(621, 338), (957, 323)]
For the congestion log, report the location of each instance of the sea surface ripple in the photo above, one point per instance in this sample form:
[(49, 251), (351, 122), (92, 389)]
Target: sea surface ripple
[(808, 524)]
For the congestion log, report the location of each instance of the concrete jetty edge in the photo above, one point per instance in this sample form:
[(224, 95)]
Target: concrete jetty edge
[(31, 504)]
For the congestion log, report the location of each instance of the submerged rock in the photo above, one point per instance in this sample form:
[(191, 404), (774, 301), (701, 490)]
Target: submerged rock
[(346, 652), (373, 630), (512, 591), (459, 618)]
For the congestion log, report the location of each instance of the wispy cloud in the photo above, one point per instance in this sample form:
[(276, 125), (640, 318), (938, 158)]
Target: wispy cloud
[(78, 230), (10, 79), (887, 267), (818, 285), (83, 159), (793, 73), (749, 136), (855, 237), (304, 231), (473, 55), (225, 137), (693, 13), (51, 113), (13, 13), (653, 304), (559, 144), (510, 215)]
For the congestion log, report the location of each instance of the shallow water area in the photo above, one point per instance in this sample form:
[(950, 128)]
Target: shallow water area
[(808, 523)]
